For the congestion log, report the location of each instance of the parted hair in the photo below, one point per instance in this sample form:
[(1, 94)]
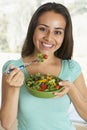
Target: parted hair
[(66, 49)]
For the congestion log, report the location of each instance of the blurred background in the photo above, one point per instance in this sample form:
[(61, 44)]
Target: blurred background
[(14, 20)]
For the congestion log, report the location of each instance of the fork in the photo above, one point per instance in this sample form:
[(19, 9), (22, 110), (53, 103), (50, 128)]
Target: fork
[(24, 65)]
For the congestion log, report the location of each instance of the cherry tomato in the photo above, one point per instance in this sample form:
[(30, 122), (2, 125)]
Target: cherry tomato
[(43, 87), (57, 87), (45, 56)]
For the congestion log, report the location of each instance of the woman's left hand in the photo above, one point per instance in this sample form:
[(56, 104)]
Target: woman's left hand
[(67, 86)]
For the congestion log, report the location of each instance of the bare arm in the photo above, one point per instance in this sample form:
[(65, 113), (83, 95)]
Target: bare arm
[(77, 92), (78, 95), (10, 96)]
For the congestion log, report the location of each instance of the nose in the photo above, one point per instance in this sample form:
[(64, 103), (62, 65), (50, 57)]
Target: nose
[(48, 36)]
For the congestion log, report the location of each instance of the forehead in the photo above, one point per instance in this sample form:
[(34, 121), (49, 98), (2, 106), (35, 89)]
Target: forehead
[(52, 18)]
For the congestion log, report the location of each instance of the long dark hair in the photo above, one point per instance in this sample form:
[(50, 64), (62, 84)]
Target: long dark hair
[(66, 49)]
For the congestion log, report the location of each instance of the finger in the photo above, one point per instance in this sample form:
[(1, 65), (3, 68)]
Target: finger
[(18, 79), (66, 83), (19, 83), (11, 66), (63, 92), (12, 74), (19, 76), (60, 93)]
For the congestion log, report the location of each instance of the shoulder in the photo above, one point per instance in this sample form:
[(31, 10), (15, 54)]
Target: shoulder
[(8, 63), (72, 64), (73, 68)]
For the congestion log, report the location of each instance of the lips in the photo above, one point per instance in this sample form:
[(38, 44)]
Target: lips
[(46, 45)]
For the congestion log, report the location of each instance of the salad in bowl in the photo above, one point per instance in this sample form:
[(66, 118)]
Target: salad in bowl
[(43, 86)]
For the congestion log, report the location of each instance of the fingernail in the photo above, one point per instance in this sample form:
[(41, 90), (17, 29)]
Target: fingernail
[(56, 94), (17, 68), (60, 83)]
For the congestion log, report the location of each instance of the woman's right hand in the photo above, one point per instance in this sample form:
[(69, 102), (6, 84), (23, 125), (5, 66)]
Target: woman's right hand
[(10, 96), (15, 78)]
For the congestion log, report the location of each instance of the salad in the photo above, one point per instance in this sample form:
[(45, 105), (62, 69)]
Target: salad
[(41, 57), (43, 83)]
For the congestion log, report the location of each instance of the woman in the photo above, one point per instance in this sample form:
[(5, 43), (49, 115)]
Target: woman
[(49, 32)]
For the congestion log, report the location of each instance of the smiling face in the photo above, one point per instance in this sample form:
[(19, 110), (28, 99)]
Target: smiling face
[(49, 33)]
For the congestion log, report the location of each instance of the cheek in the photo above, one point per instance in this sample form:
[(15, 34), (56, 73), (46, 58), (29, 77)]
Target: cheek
[(36, 36), (60, 41), (34, 39)]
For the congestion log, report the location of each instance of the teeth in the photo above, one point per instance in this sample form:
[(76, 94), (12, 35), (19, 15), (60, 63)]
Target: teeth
[(47, 45)]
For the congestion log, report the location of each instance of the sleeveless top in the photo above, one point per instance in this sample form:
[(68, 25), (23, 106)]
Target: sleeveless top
[(45, 113)]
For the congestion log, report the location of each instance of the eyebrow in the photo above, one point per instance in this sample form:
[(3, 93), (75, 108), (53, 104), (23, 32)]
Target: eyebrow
[(55, 27)]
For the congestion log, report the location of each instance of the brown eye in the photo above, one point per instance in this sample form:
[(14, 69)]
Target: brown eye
[(58, 32), (42, 29)]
